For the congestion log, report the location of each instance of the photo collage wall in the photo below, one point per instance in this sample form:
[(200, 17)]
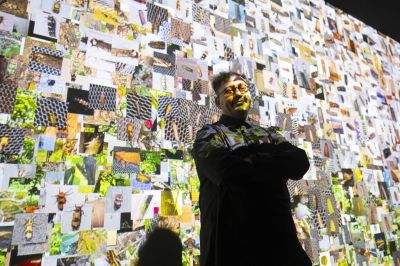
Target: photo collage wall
[(101, 100)]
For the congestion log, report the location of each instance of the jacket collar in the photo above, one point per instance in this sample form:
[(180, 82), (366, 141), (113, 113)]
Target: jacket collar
[(231, 121)]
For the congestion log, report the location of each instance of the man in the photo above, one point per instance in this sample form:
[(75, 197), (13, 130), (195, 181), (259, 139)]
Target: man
[(243, 169)]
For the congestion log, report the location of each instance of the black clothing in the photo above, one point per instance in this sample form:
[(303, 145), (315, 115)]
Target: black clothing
[(241, 179)]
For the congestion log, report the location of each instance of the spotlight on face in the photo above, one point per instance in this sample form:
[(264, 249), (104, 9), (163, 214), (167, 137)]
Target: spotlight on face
[(234, 97)]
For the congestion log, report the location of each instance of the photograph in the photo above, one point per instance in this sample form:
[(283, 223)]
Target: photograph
[(77, 218), (141, 182), (118, 199), (30, 228), (98, 211), (80, 170), (91, 143), (143, 204), (78, 100), (6, 233), (60, 197), (74, 261), (126, 160)]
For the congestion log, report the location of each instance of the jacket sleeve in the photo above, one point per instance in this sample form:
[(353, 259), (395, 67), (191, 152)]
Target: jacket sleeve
[(280, 156), (287, 160), (216, 161)]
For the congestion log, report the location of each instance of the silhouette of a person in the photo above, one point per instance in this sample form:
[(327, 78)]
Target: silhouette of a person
[(162, 247)]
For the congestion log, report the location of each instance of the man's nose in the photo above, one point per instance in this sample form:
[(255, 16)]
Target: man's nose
[(237, 92)]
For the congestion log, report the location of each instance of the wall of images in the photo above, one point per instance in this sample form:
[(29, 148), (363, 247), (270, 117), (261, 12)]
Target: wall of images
[(101, 100)]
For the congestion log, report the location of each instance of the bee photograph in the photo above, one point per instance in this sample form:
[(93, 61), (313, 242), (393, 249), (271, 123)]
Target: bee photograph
[(35, 248), (59, 198), (118, 199), (77, 218), (30, 228), (143, 74)]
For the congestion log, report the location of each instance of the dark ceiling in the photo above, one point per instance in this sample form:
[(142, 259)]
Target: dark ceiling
[(382, 15)]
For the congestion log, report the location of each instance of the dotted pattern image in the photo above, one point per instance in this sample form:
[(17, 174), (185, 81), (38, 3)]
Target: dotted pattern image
[(15, 139), (122, 126), (318, 212), (183, 130), (169, 59), (43, 68), (311, 245), (301, 186), (138, 106), (7, 97), (163, 102), (197, 118), (156, 15), (335, 217), (35, 66), (201, 86), (200, 14), (180, 30), (102, 97), (45, 50), (186, 84), (165, 33), (51, 112), (252, 89), (190, 111)]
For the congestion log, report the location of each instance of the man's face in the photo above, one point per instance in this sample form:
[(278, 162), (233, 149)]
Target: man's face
[(234, 98)]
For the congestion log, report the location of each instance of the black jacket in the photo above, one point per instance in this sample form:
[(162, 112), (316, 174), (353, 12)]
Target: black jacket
[(243, 169)]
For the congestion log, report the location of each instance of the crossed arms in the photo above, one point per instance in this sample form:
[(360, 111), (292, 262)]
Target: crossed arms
[(221, 165)]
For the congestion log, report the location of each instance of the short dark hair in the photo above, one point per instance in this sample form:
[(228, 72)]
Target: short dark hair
[(222, 78)]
